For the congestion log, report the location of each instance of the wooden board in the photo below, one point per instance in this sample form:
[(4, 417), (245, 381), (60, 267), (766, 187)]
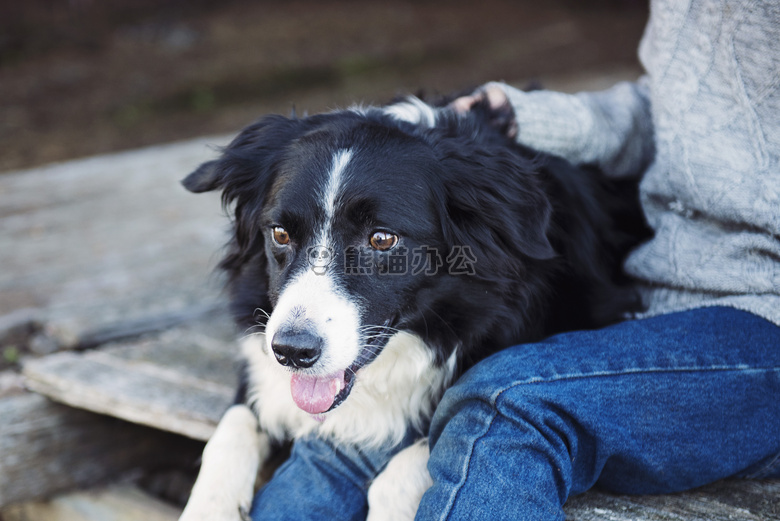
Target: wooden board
[(47, 448), (114, 503), (110, 243), (179, 381), (731, 500)]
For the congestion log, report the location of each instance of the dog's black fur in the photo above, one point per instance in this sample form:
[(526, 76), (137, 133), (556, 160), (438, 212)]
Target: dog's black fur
[(548, 238), (545, 241)]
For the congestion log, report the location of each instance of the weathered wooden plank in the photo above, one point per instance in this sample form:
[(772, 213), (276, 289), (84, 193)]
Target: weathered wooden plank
[(47, 448), (11, 383), (114, 503), (744, 500), (760, 497), (95, 244), (180, 381)]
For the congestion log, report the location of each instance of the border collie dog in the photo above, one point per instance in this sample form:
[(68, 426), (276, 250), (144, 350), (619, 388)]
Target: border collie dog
[(383, 251)]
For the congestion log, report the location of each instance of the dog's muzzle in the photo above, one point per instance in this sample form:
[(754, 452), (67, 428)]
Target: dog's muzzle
[(299, 349)]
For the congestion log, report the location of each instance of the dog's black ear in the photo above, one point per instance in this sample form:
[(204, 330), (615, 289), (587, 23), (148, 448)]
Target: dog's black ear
[(495, 203), (204, 179), (245, 172), (248, 161)]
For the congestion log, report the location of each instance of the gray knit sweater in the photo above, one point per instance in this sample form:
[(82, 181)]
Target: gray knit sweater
[(704, 127)]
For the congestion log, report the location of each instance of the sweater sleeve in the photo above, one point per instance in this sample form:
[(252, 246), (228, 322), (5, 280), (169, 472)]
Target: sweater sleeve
[(612, 129)]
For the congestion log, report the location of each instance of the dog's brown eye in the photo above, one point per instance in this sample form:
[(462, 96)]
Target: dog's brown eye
[(383, 241), (281, 236)]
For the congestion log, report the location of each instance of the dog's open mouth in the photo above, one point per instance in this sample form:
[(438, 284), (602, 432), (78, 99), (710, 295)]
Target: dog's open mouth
[(320, 394)]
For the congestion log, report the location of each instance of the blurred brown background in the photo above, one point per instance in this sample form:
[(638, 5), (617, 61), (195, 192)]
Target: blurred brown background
[(83, 77)]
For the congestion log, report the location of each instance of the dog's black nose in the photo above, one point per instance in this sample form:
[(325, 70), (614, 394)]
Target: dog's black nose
[(296, 348)]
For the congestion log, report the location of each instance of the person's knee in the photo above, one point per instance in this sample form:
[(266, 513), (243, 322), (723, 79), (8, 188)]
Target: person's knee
[(494, 391), (519, 428)]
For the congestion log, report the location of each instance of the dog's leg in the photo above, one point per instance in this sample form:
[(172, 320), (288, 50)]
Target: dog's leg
[(396, 492), (231, 459)]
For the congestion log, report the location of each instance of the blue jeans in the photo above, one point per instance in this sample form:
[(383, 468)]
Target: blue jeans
[(323, 482), (646, 406)]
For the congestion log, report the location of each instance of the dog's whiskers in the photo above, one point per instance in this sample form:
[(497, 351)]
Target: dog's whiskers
[(380, 327), (258, 328), (264, 312), (371, 349), (380, 335)]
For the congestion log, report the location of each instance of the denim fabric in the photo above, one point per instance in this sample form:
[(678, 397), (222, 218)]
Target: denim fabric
[(643, 407), (322, 482), (647, 406)]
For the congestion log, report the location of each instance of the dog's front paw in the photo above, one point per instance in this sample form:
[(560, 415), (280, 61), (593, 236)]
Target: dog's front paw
[(225, 484), (396, 492)]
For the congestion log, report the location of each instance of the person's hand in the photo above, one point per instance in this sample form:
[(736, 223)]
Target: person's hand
[(503, 113), (492, 93)]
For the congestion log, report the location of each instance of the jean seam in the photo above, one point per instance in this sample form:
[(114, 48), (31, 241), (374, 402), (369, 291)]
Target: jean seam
[(625, 372), (465, 468)]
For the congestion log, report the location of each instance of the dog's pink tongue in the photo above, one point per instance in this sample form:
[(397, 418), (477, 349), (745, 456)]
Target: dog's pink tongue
[(315, 394)]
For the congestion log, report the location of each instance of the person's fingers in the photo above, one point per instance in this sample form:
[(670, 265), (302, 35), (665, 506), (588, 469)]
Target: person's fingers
[(464, 103), (495, 95)]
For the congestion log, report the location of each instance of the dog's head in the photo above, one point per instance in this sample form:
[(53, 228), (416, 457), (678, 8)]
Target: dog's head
[(352, 226)]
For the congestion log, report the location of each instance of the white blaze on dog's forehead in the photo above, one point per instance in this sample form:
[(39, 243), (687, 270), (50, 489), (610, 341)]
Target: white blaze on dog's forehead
[(331, 189), (413, 110)]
